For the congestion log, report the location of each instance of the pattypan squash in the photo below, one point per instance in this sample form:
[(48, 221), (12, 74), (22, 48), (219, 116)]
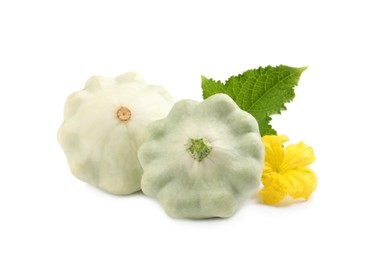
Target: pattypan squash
[(204, 159), (104, 126)]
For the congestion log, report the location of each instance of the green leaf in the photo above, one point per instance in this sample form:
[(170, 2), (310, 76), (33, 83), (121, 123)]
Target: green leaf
[(262, 92)]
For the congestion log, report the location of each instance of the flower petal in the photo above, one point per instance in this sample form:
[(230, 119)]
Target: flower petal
[(274, 154), (272, 193), (299, 183), (298, 155)]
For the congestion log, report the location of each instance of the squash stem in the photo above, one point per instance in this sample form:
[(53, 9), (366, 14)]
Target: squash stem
[(199, 148)]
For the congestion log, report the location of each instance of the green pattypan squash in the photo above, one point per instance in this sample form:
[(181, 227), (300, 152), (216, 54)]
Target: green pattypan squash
[(204, 159), (104, 126)]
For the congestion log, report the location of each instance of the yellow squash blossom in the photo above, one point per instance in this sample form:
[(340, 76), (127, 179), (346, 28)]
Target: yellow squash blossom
[(286, 172)]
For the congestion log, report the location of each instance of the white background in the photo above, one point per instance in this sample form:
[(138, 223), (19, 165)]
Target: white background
[(50, 48)]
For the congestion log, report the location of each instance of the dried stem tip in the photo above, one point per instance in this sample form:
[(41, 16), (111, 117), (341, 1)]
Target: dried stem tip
[(123, 114)]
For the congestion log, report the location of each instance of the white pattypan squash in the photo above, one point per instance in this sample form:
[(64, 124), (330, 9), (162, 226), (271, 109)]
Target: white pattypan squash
[(204, 159), (104, 126)]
